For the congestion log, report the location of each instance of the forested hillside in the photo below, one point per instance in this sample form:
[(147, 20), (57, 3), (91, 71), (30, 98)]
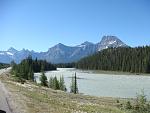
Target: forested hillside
[(135, 60)]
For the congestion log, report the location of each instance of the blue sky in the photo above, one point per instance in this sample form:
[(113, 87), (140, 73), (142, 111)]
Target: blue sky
[(40, 24)]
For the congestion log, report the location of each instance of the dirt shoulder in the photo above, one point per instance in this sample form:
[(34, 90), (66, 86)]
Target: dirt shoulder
[(4, 99), (14, 101)]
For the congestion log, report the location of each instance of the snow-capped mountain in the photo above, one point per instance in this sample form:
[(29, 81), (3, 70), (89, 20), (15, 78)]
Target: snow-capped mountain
[(110, 41), (61, 53), (12, 51)]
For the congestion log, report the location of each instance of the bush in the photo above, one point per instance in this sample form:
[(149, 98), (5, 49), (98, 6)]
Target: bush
[(20, 80), (141, 105), (128, 105)]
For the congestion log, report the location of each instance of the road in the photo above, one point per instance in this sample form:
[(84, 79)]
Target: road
[(4, 104)]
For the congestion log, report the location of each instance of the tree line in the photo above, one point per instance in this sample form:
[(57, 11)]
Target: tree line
[(27, 67), (126, 59), (65, 65), (3, 65)]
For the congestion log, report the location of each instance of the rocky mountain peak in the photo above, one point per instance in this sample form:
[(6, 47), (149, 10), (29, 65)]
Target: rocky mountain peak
[(86, 43), (59, 45), (110, 41), (12, 50), (25, 50)]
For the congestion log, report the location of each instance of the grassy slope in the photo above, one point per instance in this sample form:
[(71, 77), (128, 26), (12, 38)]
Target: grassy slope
[(36, 99)]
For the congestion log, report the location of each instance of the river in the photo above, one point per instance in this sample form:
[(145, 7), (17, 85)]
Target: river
[(104, 85)]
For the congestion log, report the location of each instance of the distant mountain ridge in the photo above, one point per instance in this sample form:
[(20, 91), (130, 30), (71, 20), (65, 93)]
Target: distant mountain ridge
[(61, 53)]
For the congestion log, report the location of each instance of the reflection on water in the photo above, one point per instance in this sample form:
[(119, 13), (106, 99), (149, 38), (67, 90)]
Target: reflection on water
[(125, 86)]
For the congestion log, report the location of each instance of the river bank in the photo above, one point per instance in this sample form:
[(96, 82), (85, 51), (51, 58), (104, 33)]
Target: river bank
[(31, 98)]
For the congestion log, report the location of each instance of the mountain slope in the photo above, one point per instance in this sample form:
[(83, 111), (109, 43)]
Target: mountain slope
[(61, 53)]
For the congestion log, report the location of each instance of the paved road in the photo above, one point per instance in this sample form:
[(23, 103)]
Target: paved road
[(4, 104)]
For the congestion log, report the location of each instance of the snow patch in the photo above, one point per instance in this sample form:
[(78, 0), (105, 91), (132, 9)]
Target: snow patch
[(81, 46), (1, 53), (9, 53), (121, 45), (111, 42)]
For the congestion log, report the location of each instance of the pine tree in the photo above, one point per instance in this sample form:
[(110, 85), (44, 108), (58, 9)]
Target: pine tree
[(74, 87), (43, 80), (126, 59), (30, 74), (27, 67), (62, 84), (50, 83), (56, 83)]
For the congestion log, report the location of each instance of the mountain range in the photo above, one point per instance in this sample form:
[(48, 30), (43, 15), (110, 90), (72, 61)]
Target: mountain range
[(61, 53)]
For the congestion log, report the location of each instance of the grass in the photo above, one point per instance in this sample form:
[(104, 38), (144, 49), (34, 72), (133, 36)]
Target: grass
[(36, 99)]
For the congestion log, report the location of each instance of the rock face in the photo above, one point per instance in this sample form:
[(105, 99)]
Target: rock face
[(110, 41), (61, 53)]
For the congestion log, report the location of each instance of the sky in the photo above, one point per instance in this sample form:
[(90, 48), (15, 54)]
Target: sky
[(40, 24)]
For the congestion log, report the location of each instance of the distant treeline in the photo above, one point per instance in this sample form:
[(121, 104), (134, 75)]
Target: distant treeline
[(28, 66), (3, 65), (65, 65), (127, 59)]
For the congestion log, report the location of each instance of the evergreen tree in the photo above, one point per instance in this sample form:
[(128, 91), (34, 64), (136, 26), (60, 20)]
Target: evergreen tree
[(65, 65), (3, 65), (30, 74), (62, 84), (74, 87), (56, 83), (50, 83), (43, 80), (27, 67), (127, 59)]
